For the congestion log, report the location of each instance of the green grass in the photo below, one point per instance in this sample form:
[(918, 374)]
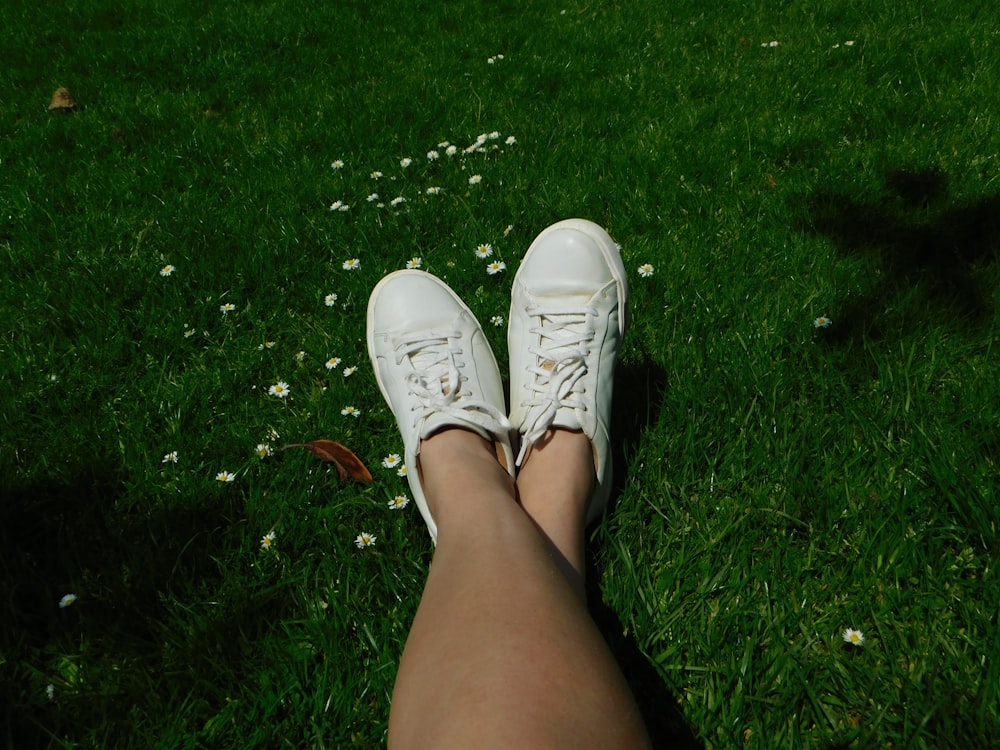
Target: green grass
[(778, 483)]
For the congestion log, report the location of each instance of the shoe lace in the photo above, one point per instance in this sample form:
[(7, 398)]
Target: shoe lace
[(560, 363), (437, 383)]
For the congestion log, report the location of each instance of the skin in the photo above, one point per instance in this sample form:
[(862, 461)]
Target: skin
[(503, 652)]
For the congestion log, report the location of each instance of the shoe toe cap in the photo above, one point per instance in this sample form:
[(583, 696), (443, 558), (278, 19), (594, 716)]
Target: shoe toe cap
[(413, 300)]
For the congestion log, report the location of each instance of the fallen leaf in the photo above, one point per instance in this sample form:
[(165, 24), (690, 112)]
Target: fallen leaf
[(348, 465), (62, 99)]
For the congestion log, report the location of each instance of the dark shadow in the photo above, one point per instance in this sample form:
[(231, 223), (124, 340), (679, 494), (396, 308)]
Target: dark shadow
[(61, 537), (639, 389), (923, 240)]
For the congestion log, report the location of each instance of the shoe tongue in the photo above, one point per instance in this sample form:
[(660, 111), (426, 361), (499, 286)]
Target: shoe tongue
[(427, 362), (562, 337)]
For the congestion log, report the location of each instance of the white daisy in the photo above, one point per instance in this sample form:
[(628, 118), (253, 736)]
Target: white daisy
[(170, 458), (364, 539), (414, 263), (331, 364), (67, 600), (822, 322), (167, 270), (399, 502), (475, 179), (495, 267), (225, 477), (854, 637), (279, 389), (348, 371), (264, 450), (392, 460), (405, 162), (350, 411), (646, 270), (267, 541), (352, 265), (484, 251)]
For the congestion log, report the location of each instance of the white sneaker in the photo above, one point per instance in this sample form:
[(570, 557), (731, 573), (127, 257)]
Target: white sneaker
[(568, 311), (434, 367)]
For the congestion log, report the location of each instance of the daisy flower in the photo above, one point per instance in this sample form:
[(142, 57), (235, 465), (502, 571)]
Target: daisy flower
[(267, 541), (50, 691), (337, 206), (67, 600), (331, 364), (854, 637), (376, 174), (414, 263), (493, 135), (337, 164), (272, 434), (266, 345), (372, 198), (264, 450), (405, 162), (170, 458), (444, 144), (484, 251), (646, 270), (391, 461), (451, 150), (300, 356), (279, 389), (330, 300), (350, 411), (167, 270), (433, 155), (348, 371), (495, 267), (352, 265), (822, 322), (511, 140), (397, 200), (364, 539), (497, 320), (508, 229), (227, 308), (225, 476), (189, 333), (475, 179), (433, 190), (399, 502), (401, 471)]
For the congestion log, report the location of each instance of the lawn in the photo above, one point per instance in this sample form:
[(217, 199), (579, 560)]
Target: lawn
[(808, 405)]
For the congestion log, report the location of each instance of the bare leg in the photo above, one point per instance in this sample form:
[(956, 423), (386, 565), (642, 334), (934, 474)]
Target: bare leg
[(553, 488), (502, 652)]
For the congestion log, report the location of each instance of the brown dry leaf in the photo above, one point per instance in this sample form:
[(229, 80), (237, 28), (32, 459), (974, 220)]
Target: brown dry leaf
[(348, 465), (62, 99)]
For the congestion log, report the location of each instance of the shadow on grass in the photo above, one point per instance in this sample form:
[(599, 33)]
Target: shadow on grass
[(638, 394), (921, 240), (73, 537)]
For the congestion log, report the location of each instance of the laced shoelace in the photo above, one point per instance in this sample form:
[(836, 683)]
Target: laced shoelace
[(437, 383), (560, 363)]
